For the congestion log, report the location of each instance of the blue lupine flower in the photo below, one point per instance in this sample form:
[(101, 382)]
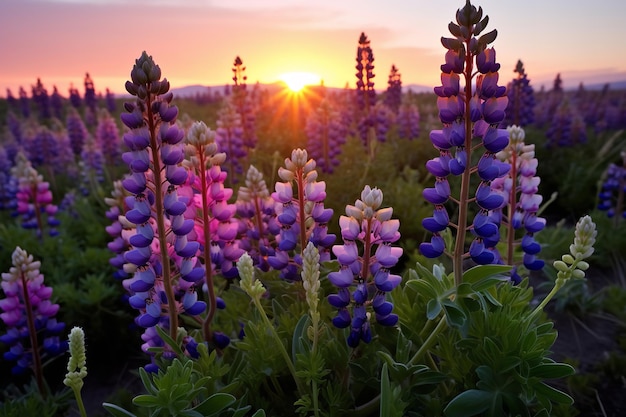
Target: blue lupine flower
[(365, 269)]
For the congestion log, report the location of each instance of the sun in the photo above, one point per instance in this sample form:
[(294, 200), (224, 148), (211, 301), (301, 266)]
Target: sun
[(296, 81)]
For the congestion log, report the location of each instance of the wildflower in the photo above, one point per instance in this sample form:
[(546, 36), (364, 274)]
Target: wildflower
[(613, 189), (366, 257), (162, 246), (28, 313), (520, 110), (34, 198), (257, 220), (302, 216), (326, 134), (475, 113)]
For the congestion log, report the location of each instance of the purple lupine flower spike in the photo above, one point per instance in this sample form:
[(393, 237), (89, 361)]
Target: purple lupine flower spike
[(29, 316), (468, 110), (326, 134), (366, 257), (301, 214), (162, 246), (34, 198), (257, 224)]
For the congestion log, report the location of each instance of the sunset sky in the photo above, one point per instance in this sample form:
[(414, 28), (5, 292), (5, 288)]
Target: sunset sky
[(196, 41)]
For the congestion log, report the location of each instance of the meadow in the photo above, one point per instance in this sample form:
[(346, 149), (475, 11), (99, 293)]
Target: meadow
[(323, 252)]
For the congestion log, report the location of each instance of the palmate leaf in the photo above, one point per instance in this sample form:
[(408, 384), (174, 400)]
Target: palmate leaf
[(386, 396)]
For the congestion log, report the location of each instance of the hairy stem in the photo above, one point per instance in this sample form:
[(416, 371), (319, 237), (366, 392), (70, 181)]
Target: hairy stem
[(160, 219)]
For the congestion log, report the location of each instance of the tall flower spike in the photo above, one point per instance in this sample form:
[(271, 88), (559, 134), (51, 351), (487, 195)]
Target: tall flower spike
[(257, 220), (34, 198), (472, 113), (366, 257), (613, 191), (302, 216), (77, 363), (162, 246), (29, 316), (520, 110), (213, 217), (521, 187), (326, 134)]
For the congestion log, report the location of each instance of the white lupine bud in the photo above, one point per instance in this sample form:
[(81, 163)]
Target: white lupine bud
[(310, 276), (585, 237), (568, 259), (578, 274), (253, 287), (560, 266), (76, 366)]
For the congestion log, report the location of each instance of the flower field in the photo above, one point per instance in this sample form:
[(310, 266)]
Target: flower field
[(327, 252)]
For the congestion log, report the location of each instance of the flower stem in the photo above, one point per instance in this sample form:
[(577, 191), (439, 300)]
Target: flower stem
[(206, 324), (32, 333), (557, 286), (459, 247), (279, 343), (79, 401), (430, 341), (160, 216)]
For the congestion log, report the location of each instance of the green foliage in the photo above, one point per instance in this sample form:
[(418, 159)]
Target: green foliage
[(27, 401)]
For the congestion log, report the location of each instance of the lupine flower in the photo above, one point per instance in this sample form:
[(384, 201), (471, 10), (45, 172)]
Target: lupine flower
[(90, 94), (244, 105), (326, 134), (34, 198), (215, 226), (520, 110), (42, 148), (257, 220), (572, 265), (41, 99), (109, 98), (108, 138), (76, 130), (393, 97), (613, 190), (230, 137), (92, 166), (162, 246), (521, 186), (302, 216), (484, 107), (366, 257), (120, 229), (75, 99), (24, 103), (408, 121), (8, 184), (567, 128), (77, 363), (28, 312), (56, 103), (365, 93)]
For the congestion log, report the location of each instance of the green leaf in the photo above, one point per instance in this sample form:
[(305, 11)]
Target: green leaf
[(259, 413), (433, 308), (454, 314), (169, 341), (386, 396), (145, 401), (117, 411), (214, 405), (553, 394), (552, 370), (468, 403), (147, 382), (300, 332), (480, 272)]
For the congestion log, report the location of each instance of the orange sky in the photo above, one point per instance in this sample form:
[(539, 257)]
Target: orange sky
[(196, 41)]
